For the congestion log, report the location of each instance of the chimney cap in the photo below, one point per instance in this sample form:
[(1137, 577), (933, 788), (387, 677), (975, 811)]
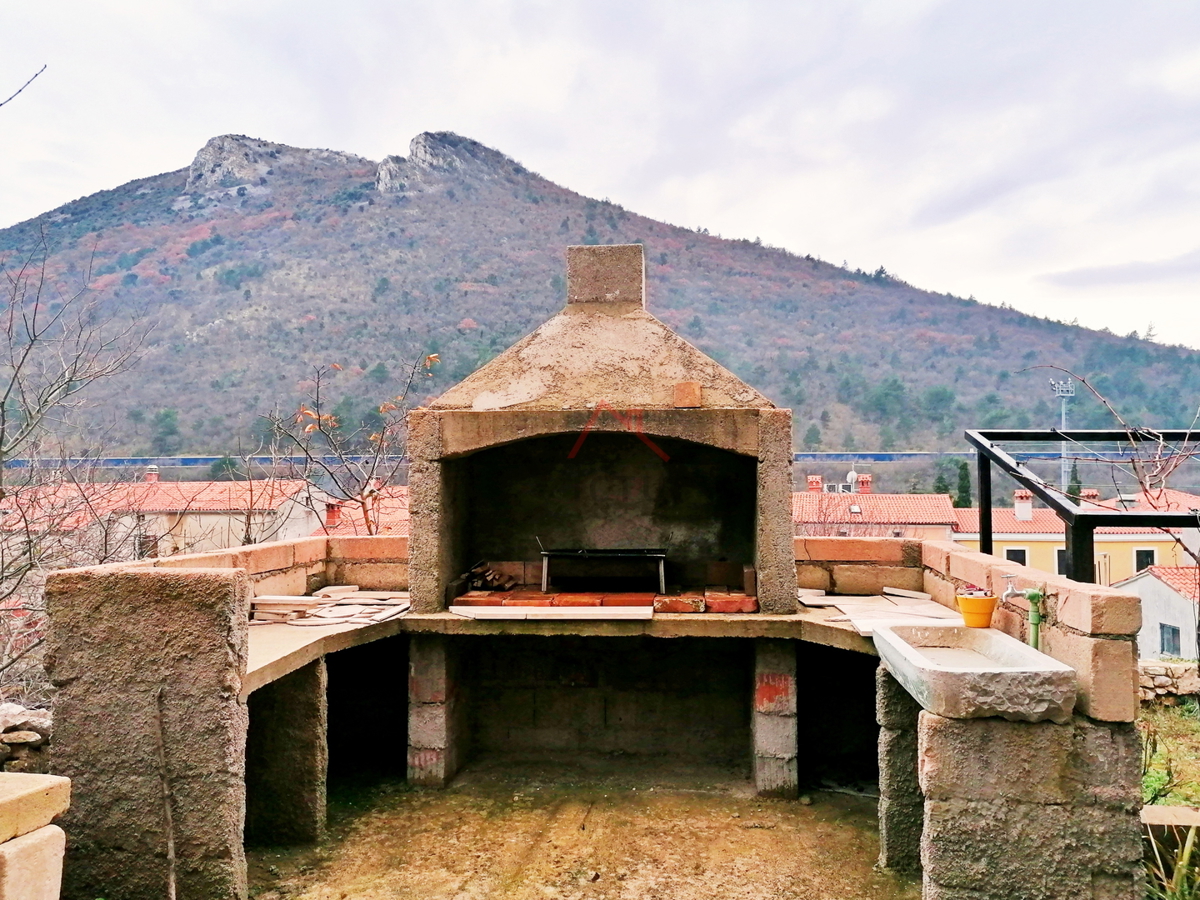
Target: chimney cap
[(612, 274)]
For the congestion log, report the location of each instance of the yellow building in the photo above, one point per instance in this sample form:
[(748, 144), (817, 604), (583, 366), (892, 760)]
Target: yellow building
[(1036, 537)]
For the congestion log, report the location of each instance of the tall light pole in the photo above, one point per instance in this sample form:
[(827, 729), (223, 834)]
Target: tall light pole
[(1064, 391)]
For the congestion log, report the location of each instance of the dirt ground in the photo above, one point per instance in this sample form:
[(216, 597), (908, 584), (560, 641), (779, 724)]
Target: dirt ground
[(596, 829)]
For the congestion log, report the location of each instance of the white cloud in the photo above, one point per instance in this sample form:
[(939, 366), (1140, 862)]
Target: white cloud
[(1040, 155)]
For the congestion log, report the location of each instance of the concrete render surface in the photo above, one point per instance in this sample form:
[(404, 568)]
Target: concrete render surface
[(972, 673)]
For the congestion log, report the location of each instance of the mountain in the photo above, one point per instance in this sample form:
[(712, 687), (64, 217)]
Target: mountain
[(260, 261)]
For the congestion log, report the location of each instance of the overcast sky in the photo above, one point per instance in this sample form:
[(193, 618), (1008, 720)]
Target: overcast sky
[(1044, 155)]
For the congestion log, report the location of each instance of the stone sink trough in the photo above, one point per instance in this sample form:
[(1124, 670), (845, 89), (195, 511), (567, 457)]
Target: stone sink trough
[(971, 673)]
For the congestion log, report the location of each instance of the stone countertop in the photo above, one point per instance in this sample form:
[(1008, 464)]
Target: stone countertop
[(276, 650)]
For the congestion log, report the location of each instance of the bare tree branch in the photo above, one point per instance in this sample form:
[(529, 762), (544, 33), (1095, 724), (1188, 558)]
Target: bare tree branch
[(25, 85)]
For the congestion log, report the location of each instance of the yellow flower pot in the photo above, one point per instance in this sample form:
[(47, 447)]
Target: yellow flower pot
[(977, 611)]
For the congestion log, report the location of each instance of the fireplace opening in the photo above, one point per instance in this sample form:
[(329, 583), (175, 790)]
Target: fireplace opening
[(583, 698), (610, 491)]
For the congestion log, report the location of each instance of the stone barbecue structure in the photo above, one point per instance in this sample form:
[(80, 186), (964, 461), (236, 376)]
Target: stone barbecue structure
[(602, 430)]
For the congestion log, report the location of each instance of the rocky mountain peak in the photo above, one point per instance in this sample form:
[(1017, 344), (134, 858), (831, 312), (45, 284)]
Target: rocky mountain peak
[(231, 159)]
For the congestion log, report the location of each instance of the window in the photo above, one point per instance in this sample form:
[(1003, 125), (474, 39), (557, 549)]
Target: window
[(1060, 556), (1019, 555), (1168, 639), (1143, 559)]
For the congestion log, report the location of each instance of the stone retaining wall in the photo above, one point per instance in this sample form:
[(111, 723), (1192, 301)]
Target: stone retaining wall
[(1167, 682), (25, 739)]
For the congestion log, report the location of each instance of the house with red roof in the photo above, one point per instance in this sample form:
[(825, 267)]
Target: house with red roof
[(112, 521), (1035, 536), (1170, 595), (821, 512)]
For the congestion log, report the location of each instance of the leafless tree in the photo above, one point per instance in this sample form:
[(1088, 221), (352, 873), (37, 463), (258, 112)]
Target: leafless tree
[(55, 341), (351, 465)]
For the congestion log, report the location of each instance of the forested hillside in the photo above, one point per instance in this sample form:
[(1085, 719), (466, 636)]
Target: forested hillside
[(260, 261)]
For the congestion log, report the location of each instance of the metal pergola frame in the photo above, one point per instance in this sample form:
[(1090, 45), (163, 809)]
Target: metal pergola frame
[(1080, 523)]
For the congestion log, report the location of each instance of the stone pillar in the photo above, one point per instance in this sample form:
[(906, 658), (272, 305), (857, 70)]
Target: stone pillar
[(148, 664), (287, 758), (901, 807), (775, 554), (436, 711), (1031, 810), (773, 725)]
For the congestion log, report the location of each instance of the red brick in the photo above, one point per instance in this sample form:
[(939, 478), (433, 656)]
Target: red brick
[(679, 604), (688, 395), (577, 600), (477, 601), (730, 604), (850, 549), (628, 600), (529, 601)]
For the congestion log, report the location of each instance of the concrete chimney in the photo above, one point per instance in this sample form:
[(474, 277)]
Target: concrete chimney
[(151, 473), (815, 484), (613, 275), (333, 514), (864, 483), (1023, 505)]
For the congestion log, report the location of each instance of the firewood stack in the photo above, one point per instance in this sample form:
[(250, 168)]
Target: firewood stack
[(485, 578)]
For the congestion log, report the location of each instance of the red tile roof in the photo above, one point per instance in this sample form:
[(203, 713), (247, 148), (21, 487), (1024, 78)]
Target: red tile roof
[(66, 507), (810, 507), (389, 513), (1044, 521), (1163, 500), (1184, 580)]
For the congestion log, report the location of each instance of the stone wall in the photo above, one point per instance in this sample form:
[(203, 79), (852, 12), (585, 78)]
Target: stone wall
[(25, 736), (628, 695), (1167, 682)]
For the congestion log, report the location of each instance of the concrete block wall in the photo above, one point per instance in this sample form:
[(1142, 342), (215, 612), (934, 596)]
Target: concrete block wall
[(156, 655), (773, 726), (157, 649), (373, 562), (901, 805), (1032, 810), (287, 759), (31, 848), (437, 728), (846, 565)]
